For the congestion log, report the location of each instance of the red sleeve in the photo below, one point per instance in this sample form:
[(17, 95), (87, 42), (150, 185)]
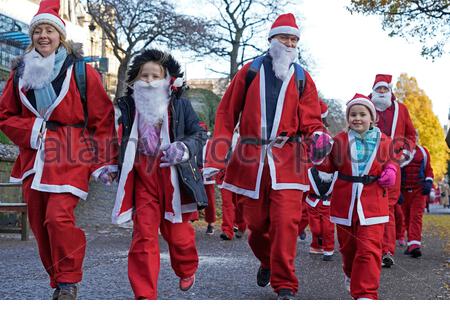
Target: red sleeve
[(100, 120), (22, 128), (227, 117), (429, 175)]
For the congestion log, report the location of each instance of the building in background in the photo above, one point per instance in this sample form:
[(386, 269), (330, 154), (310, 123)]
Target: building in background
[(216, 85), (80, 28)]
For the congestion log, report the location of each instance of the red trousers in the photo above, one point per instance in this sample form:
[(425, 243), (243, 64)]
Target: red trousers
[(273, 223), (389, 236), (210, 210), (61, 243), (413, 208), (360, 247), (231, 215), (143, 257), (321, 227), (399, 222), (304, 218)]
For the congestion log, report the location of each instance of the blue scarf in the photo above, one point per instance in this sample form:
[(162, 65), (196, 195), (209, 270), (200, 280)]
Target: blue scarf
[(46, 95), (365, 146)]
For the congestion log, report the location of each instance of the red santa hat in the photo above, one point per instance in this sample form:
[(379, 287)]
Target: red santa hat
[(285, 24), (48, 13), (382, 80), (360, 99), (323, 109)]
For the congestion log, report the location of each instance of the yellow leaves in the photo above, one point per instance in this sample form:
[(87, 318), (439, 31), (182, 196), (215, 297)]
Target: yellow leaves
[(431, 134)]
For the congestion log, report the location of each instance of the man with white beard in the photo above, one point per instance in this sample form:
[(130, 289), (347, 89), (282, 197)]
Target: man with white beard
[(395, 122), (266, 168)]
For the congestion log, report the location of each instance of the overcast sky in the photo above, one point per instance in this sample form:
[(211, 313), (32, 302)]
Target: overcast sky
[(348, 51)]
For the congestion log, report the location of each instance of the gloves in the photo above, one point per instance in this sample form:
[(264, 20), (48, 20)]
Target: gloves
[(173, 154), (320, 147), (107, 176), (149, 140), (387, 178), (427, 187)]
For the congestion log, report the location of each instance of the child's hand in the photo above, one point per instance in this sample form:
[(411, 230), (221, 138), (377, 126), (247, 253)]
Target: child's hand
[(172, 154), (388, 176), (320, 147), (149, 141)]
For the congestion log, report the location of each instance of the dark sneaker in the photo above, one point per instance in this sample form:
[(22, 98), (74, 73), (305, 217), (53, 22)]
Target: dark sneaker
[(327, 257), (416, 253), (55, 294), (387, 260), (187, 283), (239, 234), (67, 291), (263, 277), (235, 229), (223, 236), (286, 294), (210, 229), (302, 235)]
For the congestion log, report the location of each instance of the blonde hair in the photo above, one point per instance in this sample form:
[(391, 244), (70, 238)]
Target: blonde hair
[(62, 41)]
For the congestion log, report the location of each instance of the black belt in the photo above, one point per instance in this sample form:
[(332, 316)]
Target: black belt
[(54, 125), (366, 179), (258, 141), (321, 197)]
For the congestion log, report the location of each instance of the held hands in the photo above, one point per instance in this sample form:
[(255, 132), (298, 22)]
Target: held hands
[(107, 176), (387, 178), (172, 154), (320, 147)]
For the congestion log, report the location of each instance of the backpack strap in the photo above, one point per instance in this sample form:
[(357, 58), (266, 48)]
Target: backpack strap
[(252, 72), (80, 79), (299, 78)]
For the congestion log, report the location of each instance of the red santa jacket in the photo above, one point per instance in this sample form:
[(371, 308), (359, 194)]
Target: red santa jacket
[(396, 123), (66, 156), (418, 169), (371, 200), (293, 116)]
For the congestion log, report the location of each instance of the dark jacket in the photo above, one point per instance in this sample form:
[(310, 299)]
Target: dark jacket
[(184, 127)]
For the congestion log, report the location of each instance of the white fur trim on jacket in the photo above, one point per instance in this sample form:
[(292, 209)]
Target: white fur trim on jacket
[(35, 131)]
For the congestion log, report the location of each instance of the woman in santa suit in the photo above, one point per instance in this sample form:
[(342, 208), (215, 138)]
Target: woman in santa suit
[(61, 143)]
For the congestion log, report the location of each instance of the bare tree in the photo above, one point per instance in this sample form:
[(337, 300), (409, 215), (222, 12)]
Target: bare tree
[(240, 25), (131, 25), (426, 20)]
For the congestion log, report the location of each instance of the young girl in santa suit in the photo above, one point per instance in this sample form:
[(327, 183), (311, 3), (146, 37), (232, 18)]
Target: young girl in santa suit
[(359, 203), (62, 143), (160, 185)]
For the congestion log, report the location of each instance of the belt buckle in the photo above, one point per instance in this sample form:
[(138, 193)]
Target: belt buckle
[(279, 141)]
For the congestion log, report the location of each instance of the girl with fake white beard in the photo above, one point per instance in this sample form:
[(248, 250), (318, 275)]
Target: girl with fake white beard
[(160, 185), (62, 143)]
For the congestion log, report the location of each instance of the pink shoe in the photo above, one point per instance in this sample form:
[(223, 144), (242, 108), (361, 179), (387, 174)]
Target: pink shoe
[(187, 283)]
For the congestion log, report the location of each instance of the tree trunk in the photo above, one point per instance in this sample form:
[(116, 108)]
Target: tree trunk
[(233, 60), (121, 78)]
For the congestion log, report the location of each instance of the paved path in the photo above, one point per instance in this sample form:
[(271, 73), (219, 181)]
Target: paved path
[(227, 269)]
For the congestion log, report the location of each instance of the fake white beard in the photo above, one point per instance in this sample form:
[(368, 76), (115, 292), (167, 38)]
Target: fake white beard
[(382, 101), (38, 70), (151, 100), (282, 57)]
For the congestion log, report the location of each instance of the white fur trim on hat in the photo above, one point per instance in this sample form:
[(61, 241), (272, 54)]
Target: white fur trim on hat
[(365, 102), (49, 19), (284, 30), (382, 84)]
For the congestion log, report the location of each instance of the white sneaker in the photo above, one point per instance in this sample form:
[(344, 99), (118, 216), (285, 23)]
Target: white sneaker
[(347, 283)]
